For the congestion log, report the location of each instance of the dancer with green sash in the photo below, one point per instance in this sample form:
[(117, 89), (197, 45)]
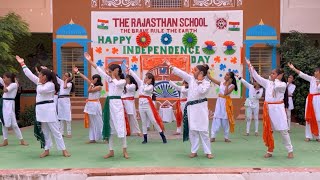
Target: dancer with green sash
[(196, 120), (113, 111), (7, 108)]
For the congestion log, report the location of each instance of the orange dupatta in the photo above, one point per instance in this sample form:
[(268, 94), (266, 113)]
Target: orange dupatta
[(179, 112), (229, 109), (126, 114), (267, 129), (154, 111), (86, 115), (311, 116)]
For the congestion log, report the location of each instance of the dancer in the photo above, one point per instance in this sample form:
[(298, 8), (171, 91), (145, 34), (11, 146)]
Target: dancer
[(291, 88), (7, 108), (195, 119), (274, 115), (46, 115), (181, 103), (129, 104), (113, 111), (92, 109), (147, 109), (223, 113), (252, 104), (312, 113)]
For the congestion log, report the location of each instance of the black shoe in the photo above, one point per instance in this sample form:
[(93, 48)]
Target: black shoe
[(164, 139), (145, 139)]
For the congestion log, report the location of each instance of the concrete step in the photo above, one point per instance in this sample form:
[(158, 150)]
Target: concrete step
[(76, 117)]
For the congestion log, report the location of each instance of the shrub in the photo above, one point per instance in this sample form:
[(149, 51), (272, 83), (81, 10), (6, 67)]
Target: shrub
[(28, 116)]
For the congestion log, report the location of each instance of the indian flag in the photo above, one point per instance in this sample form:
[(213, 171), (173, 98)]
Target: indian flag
[(234, 26), (102, 24)]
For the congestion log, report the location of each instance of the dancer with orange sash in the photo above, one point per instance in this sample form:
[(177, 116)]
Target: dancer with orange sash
[(195, 116), (114, 123), (223, 113), (180, 104), (312, 113), (129, 105), (92, 110), (274, 114), (147, 109)]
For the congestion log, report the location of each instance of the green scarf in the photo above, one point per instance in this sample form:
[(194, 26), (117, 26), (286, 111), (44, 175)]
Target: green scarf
[(106, 131), (1, 108), (37, 131), (185, 117)]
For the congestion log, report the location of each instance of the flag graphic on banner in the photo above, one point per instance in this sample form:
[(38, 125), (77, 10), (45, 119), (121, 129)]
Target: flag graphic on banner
[(102, 24), (234, 26)]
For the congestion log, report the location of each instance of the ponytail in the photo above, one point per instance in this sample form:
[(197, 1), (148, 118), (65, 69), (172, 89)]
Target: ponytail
[(71, 81), (51, 76), (234, 81)]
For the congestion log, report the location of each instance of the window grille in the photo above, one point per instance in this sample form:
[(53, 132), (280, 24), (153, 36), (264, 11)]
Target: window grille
[(166, 3)]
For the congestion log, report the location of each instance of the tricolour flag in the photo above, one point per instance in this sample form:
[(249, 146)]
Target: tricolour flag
[(234, 26), (102, 24)]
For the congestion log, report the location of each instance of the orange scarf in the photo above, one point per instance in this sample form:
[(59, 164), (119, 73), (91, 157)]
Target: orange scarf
[(311, 116), (126, 117), (154, 111), (229, 109), (267, 129), (179, 112), (86, 115)]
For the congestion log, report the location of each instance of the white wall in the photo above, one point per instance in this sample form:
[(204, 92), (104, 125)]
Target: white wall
[(37, 13), (300, 15)]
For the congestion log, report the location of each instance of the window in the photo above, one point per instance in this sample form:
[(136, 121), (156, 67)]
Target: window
[(261, 59), (72, 57)]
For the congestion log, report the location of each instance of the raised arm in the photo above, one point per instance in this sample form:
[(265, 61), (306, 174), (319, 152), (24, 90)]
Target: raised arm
[(135, 76), (1, 81), (76, 70), (262, 81), (245, 83), (213, 79), (60, 81), (300, 73), (178, 88), (93, 88), (27, 71), (185, 76), (101, 72)]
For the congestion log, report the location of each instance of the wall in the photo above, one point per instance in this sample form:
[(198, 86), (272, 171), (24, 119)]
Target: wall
[(300, 15), (37, 13)]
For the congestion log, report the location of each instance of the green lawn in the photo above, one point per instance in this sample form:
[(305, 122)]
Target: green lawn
[(242, 152)]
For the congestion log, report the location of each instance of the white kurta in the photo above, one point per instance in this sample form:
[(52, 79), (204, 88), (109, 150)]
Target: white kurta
[(197, 113), (254, 95), (291, 87), (8, 107), (220, 110), (64, 104), (183, 93), (314, 89), (117, 120), (129, 104), (45, 92), (274, 93)]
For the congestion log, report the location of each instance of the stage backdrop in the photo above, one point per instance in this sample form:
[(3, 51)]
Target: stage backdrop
[(145, 40)]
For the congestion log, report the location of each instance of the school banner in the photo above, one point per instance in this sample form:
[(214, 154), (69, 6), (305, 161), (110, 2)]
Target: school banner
[(145, 40)]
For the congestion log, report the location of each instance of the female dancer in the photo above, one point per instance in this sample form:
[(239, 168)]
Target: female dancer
[(274, 115), (7, 108), (92, 109), (195, 119), (46, 115), (129, 104), (113, 111), (291, 88), (312, 113), (223, 113)]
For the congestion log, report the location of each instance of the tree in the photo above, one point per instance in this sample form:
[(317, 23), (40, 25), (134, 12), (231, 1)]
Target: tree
[(12, 28), (298, 49)]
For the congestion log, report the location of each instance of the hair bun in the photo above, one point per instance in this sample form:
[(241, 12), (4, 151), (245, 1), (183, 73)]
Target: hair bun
[(206, 66)]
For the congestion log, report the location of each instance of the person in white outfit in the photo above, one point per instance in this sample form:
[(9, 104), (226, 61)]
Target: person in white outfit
[(92, 109), (47, 123), (252, 104), (274, 114), (147, 109), (312, 110), (181, 103), (64, 104), (113, 111), (291, 88), (129, 104), (7, 108), (223, 113), (196, 120)]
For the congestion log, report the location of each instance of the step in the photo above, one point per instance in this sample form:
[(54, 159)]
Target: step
[(77, 116)]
